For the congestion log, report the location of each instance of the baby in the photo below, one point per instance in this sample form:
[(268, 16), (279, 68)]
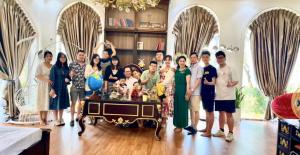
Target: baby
[(137, 90), (122, 86)]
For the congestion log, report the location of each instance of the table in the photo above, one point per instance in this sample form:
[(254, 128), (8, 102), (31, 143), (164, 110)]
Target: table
[(122, 112)]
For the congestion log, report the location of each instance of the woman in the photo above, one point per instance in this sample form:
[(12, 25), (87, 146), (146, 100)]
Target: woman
[(94, 68), (113, 73), (182, 94), (168, 72), (42, 75), (59, 96)]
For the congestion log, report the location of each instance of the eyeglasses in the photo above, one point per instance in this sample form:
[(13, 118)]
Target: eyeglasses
[(220, 57)]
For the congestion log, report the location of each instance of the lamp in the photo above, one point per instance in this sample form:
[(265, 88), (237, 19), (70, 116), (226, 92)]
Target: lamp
[(127, 5), (229, 48)]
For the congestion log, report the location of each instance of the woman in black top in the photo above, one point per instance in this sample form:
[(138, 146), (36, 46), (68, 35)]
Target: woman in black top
[(113, 73)]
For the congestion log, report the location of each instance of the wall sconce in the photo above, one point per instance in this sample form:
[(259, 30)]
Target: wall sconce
[(230, 48)]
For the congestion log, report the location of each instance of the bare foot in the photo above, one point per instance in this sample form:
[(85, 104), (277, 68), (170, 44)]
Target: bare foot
[(206, 134), (203, 130)]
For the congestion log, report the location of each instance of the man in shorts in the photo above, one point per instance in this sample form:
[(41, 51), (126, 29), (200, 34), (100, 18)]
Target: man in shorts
[(194, 103), (77, 91), (225, 96), (208, 92)]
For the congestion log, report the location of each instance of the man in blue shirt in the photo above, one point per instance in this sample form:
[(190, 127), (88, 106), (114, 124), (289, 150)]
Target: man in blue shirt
[(208, 92)]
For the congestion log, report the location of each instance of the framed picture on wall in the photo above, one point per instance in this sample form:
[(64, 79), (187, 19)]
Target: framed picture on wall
[(140, 45)]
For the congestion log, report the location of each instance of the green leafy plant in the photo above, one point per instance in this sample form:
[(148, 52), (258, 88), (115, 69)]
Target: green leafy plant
[(239, 97)]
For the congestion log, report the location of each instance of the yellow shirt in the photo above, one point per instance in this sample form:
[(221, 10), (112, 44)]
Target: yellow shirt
[(160, 89)]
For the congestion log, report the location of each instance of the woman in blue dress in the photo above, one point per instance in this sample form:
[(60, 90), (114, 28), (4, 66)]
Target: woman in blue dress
[(59, 96)]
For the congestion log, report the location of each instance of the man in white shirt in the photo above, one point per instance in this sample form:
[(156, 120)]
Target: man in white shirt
[(128, 77), (194, 103), (225, 96)]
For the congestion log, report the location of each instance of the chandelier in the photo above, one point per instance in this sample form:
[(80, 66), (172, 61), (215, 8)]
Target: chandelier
[(127, 5)]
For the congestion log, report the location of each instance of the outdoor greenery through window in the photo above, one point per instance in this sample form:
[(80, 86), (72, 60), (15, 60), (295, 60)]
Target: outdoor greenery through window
[(255, 102)]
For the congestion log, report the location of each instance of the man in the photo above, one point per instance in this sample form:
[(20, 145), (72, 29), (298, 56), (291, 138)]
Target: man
[(225, 96), (194, 104), (77, 92), (208, 92), (159, 58), (150, 77), (130, 80)]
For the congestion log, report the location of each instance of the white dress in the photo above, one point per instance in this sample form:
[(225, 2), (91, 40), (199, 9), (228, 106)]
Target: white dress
[(43, 88)]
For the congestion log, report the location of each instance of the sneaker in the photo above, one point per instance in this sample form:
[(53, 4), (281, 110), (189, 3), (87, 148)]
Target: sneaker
[(61, 122), (193, 132), (72, 123), (189, 128), (57, 123), (219, 134), (229, 137)]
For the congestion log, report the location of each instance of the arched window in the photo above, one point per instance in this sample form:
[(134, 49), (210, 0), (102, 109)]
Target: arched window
[(271, 48), (79, 28), (194, 30)]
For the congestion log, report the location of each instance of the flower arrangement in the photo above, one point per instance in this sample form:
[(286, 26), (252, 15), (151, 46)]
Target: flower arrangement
[(127, 5)]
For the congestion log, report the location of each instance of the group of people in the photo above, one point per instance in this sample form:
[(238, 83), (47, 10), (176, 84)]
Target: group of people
[(179, 89)]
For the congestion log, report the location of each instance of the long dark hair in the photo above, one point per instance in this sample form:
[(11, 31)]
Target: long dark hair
[(118, 66), (177, 61), (92, 61), (58, 63)]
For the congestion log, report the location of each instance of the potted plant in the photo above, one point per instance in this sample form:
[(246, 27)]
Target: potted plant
[(238, 102)]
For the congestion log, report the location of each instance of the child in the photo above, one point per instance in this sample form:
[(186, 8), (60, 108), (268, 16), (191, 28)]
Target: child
[(162, 96), (136, 91), (161, 88), (122, 87)]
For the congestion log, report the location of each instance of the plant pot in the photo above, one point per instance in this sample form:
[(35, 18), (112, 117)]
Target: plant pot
[(237, 116)]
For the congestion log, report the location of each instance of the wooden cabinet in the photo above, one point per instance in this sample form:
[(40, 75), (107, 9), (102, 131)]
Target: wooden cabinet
[(137, 35), (288, 137)]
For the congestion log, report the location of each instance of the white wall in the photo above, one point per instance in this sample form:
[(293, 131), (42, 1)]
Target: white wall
[(234, 16), (44, 16)]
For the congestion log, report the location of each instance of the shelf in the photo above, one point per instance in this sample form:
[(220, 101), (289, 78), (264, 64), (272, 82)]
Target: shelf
[(120, 29), (134, 30), (157, 31), (145, 50), (124, 49)]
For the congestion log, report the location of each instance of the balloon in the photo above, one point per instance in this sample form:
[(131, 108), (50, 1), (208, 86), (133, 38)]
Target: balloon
[(287, 106), (95, 82), (296, 103), (282, 106)]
